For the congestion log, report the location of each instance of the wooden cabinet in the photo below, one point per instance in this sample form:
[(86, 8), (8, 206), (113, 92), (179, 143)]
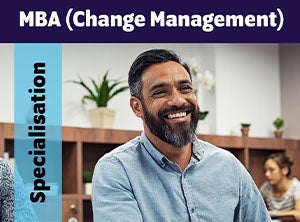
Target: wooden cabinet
[(82, 147), (70, 208)]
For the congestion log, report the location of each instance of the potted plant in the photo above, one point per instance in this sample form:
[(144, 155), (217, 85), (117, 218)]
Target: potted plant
[(278, 123), (87, 182), (245, 128), (101, 93)]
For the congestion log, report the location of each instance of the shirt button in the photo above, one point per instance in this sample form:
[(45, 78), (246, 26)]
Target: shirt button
[(192, 210)]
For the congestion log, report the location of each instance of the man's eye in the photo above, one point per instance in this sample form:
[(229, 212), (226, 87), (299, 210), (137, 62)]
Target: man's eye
[(159, 93), (186, 88)]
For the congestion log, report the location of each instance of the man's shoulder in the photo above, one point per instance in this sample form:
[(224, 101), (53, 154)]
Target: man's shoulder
[(221, 158), (211, 149), (126, 151)]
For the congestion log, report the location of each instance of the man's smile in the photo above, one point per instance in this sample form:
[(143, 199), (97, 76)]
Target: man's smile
[(176, 115)]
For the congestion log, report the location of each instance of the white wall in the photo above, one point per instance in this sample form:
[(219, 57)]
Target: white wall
[(95, 59), (6, 83), (290, 84), (247, 78), (248, 88)]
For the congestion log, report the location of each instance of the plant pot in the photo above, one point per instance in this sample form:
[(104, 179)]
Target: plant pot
[(87, 188), (245, 131), (102, 117), (278, 133)]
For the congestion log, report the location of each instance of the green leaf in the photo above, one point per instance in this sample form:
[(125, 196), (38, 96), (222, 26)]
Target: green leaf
[(245, 124), (278, 123), (102, 91), (202, 115), (87, 176)]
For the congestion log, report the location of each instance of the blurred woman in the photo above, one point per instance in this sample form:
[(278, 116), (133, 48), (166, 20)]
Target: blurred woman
[(281, 191)]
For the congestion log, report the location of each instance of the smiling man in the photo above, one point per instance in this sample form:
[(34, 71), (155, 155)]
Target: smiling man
[(167, 174)]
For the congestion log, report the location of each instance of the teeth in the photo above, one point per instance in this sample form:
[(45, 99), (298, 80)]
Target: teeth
[(177, 115)]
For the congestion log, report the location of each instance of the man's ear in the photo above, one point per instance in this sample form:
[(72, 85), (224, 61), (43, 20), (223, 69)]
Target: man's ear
[(136, 106)]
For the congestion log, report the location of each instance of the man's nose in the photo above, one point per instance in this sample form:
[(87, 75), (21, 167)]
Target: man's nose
[(176, 99)]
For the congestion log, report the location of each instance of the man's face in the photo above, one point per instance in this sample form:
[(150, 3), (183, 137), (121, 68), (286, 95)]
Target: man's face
[(170, 108)]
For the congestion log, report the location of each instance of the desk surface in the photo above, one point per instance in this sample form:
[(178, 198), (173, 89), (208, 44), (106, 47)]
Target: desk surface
[(287, 218)]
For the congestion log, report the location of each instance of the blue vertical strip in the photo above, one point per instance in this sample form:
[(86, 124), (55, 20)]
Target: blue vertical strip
[(37, 132)]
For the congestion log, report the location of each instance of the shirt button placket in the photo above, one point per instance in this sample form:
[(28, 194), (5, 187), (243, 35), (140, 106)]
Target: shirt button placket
[(188, 197)]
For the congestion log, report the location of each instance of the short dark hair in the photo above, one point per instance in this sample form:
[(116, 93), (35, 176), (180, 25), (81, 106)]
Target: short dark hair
[(282, 161), (145, 60)]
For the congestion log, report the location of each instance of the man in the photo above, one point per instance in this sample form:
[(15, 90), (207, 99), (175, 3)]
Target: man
[(167, 174)]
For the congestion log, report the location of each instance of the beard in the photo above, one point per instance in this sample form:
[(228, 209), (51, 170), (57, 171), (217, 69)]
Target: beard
[(181, 133)]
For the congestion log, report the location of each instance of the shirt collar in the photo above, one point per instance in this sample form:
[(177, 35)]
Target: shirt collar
[(154, 153), (198, 150), (197, 154)]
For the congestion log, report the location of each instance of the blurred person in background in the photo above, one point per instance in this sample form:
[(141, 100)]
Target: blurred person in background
[(281, 191)]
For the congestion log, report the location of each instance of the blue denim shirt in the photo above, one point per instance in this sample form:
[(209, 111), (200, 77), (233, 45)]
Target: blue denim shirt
[(135, 182)]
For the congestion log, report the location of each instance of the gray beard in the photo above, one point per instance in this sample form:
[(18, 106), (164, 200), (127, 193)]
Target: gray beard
[(178, 136)]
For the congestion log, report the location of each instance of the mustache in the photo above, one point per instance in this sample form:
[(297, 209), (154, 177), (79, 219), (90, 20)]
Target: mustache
[(188, 108)]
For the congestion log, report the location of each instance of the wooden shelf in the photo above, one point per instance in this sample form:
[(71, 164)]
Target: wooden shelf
[(86, 197), (82, 147), (224, 141)]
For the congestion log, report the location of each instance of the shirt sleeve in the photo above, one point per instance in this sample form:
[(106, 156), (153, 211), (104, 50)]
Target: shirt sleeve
[(7, 191), (251, 207), (112, 196)]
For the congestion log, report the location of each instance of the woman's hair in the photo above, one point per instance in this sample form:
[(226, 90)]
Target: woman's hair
[(145, 60), (282, 160)]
